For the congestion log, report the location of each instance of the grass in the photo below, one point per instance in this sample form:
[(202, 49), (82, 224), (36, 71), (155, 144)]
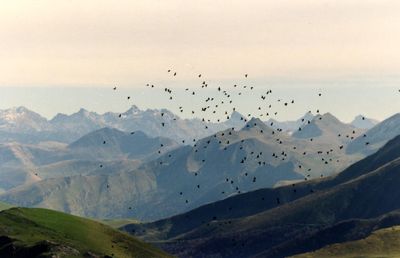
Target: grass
[(30, 226), (118, 223), (381, 243), (5, 206)]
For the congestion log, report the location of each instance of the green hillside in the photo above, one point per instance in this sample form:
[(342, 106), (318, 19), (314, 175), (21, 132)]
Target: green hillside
[(4, 206), (118, 223), (44, 232), (381, 243)]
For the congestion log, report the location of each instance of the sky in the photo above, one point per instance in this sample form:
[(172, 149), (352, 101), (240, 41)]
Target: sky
[(81, 48)]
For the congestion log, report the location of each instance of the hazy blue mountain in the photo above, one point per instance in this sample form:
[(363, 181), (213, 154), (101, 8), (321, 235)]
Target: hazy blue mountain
[(328, 128), (290, 126), (104, 151), (21, 124), (110, 144), (363, 122), (24, 126), (215, 167), (376, 137)]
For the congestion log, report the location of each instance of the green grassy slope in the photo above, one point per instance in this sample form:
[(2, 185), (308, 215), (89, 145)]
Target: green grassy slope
[(381, 243), (50, 232), (5, 206), (118, 223)]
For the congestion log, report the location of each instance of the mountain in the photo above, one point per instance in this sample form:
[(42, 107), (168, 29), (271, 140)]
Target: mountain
[(77, 124), (181, 179), (254, 202), (24, 126), (110, 143), (338, 238), (45, 233), (381, 243), (290, 126), (363, 122), (257, 224), (328, 128), (164, 123), (376, 137), (104, 151), (22, 120), (21, 124)]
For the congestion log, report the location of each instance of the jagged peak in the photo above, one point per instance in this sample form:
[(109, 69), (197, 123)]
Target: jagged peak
[(257, 123), (235, 115), (133, 109)]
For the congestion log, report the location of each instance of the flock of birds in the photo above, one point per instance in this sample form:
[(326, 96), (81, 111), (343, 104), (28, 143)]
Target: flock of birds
[(217, 105)]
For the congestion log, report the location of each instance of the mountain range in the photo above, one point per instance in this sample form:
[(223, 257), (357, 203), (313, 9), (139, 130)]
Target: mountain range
[(25, 126), (99, 152), (240, 188), (180, 178), (288, 220)]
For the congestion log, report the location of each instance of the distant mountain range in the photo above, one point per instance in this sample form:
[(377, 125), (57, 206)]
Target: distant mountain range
[(100, 152), (109, 173), (292, 219), (239, 188), (182, 178), (25, 126)]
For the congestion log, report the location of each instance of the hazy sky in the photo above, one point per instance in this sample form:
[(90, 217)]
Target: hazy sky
[(99, 42), (302, 44)]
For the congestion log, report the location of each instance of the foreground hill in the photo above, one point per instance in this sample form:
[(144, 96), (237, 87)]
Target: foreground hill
[(4, 206), (381, 243), (45, 233), (365, 190)]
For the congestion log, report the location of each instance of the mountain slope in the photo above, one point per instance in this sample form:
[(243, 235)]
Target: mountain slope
[(345, 231), (5, 206), (381, 243), (376, 137), (22, 120), (291, 126), (104, 151), (362, 122), (110, 143), (326, 127), (263, 199), (45, 233), (355, 193), (254, 157), (367, 197)]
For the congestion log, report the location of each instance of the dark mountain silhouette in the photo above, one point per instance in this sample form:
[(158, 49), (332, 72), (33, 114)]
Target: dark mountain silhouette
[(239, 227)]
